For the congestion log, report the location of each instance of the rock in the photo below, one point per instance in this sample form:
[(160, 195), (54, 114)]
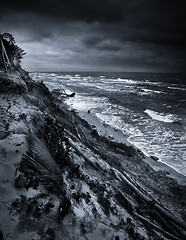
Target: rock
[(154, 158), (94, 132), (111, 137), (50, 234), (22, 116), (129, 220), (72, 94), (138, 150), (88, 195)]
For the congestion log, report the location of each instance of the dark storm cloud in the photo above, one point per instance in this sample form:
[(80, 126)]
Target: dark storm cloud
[(156, 14), (101, 32), (69, 10)]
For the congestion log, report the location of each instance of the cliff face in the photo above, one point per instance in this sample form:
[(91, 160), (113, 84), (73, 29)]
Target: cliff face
[(61, 180)]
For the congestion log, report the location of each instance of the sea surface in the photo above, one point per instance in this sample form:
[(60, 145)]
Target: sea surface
[(149, 107)]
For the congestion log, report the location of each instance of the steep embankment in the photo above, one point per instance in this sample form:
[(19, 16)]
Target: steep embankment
[(61, 180)]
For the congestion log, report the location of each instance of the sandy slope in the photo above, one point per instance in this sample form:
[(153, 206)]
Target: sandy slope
[(61, 178)]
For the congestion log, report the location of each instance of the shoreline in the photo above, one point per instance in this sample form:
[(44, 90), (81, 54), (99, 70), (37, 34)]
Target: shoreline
[(158, 161), (104, 129), (117, 135)]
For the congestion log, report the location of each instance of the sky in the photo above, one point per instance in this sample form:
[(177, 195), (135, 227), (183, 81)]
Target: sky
[(98, 35)]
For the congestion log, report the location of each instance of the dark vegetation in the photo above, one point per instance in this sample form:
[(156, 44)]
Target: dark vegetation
[(11, 54), (9, 86), (34, 170)]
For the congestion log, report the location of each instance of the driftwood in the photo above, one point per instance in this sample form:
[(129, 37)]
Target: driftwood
[(83, 155), (68, 95), (139, 190), (81, 135), (34, 84), (71, 95), (149, 199), (154, 226)]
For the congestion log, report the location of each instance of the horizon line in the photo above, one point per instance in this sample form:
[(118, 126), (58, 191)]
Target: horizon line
[(57, 71)]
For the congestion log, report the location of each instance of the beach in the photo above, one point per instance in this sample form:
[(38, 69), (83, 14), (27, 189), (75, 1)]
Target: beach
[(66, 175), (118, 136)]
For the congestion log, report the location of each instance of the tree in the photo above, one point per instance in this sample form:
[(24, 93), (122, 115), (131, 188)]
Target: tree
[(14, 53)]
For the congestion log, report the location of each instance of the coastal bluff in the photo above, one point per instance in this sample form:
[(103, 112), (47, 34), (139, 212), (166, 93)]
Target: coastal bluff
[(60, 179)]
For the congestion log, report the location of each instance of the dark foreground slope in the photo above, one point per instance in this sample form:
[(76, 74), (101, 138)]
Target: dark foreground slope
[(61, 180)]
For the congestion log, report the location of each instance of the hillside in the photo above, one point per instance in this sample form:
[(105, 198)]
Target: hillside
[(60, 179)]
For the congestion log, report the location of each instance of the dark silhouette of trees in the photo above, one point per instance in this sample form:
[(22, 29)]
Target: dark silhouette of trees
[(10, 53)]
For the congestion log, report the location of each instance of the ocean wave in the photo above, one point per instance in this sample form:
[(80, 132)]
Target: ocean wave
[(162, 117), (154, 83), (75, 77), (125, 80), (85, 103), (149, 90), (52, 74), (177, 88)]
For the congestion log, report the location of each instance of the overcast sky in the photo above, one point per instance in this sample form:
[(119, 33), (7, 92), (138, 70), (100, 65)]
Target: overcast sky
[(98, 35)]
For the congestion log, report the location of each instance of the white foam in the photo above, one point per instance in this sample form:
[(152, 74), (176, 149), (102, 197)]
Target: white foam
[(149, 90), (75, 78), (85, 103), (153, 83), (162, 117), (129, 81), (146, 90), (177, 88)]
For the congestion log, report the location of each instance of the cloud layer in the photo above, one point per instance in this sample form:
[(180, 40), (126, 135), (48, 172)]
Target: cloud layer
[(104, 35)]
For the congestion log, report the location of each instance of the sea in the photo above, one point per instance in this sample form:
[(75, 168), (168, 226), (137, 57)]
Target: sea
[(150, 108)]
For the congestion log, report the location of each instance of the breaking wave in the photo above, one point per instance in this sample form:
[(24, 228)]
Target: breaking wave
[(162, 117)]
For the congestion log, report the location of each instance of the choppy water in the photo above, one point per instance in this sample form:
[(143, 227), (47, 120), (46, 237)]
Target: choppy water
[(150, 108)]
